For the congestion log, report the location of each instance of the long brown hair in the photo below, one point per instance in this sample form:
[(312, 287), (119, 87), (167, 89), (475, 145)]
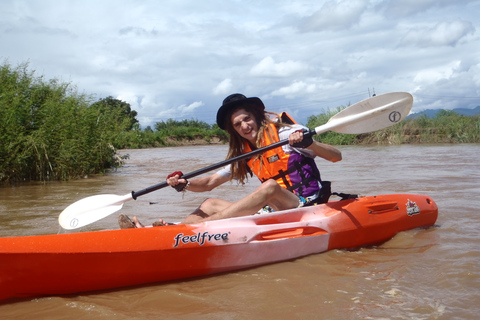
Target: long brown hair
[(236, 148)]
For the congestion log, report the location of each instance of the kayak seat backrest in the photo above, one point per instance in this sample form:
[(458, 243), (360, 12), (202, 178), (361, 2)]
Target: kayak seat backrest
[(326, 192)]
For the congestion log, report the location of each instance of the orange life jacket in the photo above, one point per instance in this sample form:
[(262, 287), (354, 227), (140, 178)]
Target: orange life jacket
[(293, 171)]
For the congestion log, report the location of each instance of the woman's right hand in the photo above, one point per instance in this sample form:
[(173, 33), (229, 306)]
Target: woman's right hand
[(176, 182)]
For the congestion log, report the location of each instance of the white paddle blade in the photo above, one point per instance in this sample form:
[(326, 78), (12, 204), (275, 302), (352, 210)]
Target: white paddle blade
[(371, 114), (91, 209)]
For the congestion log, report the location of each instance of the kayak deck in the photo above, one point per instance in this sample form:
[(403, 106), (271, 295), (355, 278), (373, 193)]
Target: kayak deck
[(79, 262)]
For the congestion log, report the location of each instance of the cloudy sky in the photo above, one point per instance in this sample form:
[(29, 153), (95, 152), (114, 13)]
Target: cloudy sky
[(179, 59)]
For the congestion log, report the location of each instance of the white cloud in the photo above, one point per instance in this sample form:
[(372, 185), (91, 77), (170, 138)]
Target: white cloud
[(295, 89), (223, 87), (191, 107), (442, 34), (405, 8), (335, 15), (434, 75), (268, 68), (130, 98)]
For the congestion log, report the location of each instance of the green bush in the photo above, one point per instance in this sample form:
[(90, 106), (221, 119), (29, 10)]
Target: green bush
[(446, 127), (50, 132), (188, 129)]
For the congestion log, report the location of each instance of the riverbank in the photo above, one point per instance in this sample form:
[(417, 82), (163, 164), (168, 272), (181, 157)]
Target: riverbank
[(445, 128), (382, 137), (197, 140)]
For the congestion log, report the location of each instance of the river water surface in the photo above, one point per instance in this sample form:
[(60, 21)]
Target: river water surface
[(419, 274)]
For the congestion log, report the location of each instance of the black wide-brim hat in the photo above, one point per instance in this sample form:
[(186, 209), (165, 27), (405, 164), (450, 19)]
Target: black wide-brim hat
[(235, 101)]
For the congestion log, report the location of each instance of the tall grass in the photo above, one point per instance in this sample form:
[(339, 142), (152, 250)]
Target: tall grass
[(50, 132), (446, 127)]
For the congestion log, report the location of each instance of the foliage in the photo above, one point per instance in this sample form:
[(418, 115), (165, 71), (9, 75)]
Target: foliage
[(446, 127), (120, 106), (172, 124), (189, 129), (50, 132)]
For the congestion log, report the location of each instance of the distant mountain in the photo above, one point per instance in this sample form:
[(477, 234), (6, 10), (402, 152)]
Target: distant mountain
[(432, 112)]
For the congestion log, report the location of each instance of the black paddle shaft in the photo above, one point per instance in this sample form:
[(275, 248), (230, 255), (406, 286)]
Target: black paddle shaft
[(136, 194)]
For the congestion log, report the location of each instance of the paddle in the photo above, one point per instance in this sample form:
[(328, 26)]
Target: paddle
[(369, 115)]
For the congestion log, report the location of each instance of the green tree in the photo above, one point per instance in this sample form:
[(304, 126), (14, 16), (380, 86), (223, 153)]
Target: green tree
[(123, 107)]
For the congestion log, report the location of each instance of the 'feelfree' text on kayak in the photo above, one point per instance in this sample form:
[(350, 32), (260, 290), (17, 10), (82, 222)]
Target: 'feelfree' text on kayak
[(199, 238)]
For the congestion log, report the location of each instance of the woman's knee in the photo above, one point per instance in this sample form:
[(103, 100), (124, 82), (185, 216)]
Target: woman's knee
[(207, 204), (213, 205), (271, 184), (269, 187)]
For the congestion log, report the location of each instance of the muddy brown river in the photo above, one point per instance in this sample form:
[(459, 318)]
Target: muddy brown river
[(419, 274)]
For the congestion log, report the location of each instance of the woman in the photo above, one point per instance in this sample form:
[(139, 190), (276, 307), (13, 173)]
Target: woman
[(289, 174)]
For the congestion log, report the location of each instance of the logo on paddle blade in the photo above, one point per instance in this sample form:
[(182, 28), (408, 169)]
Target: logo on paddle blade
[(394, 116), (412, 208), (74, 223)]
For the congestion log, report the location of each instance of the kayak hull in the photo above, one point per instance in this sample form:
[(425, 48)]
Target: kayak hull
[(79, 262)]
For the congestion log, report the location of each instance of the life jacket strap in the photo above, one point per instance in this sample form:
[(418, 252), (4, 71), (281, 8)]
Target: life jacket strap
[(296, 168)]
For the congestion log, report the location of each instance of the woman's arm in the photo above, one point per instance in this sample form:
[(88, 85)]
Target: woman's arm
[(322, 150), (200, 184), (326, 151)]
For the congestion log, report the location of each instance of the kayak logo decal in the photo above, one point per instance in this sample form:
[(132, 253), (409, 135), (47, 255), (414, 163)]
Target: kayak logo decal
[(395, 116), (201, 238), (412, 208)]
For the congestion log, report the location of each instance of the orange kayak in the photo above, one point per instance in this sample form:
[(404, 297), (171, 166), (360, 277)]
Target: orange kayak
[(79, 262)]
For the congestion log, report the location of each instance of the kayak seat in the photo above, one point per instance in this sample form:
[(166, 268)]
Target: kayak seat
[(326, 192)]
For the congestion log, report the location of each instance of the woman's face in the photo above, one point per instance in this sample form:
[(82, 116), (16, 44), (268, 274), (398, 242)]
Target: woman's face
[(245, 124)]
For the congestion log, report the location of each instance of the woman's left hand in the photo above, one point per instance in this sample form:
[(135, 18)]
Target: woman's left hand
[(297, 140)]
